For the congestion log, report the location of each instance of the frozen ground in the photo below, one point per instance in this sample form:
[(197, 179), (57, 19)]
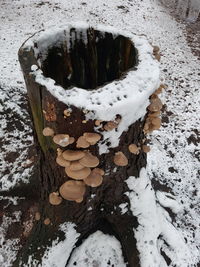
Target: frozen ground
[(171, 189)]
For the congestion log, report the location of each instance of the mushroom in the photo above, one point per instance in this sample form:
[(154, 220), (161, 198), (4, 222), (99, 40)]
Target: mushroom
[(79, 174), (94, 179), (92, 138), (99, 171), (110, 125), (155, 105), (154, 114), (72, 190), (75, 166), (146, 148), (156, 49), (59, 151), (89, 160), (134, 149), (156, 121), (48, 131), (47, 221), (71, 140), (61, 139), (67, 112), (79, 200), (81, 142), (157, 56), (98, 122), (37, 216), (54, 198), (62, 162), (73, 155), (120, 159)]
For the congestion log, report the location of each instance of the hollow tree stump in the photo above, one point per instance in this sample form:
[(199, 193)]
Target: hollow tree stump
[(84, 80)]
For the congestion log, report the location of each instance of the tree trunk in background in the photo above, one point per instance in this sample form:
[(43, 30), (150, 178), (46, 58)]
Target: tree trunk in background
[(101, 212)]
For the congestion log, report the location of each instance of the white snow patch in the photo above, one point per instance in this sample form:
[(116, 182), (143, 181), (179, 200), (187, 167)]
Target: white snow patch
[(99, 250)]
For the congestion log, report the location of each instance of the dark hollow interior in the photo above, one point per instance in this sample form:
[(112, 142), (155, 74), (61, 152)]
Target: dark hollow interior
[(93, 59)]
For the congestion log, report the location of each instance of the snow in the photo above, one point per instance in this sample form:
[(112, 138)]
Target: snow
[(133, 90), (99, 250), (170, 148)]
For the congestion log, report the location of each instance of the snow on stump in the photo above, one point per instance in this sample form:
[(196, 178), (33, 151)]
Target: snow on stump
[(93, 97)]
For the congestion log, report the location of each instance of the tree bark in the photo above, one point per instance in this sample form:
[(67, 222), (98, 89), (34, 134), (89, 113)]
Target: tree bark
[(47, 111)]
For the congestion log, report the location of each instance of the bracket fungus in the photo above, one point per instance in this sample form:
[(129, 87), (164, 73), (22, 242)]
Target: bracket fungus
[(61, 139), (99, 171), (79, 174), (82, 143), (73, 155), (146, 148), (92, 138), (62, 162), (134, 149), (89, 160), (120, 159), (110, 125), (75, 166), (94, 179), (72, 190), (48, 131), (54, 198)]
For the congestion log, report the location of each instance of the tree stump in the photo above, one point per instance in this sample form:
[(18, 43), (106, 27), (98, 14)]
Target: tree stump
[(83, 81)]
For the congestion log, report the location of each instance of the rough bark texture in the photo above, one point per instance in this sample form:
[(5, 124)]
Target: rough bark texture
[(105, 214)]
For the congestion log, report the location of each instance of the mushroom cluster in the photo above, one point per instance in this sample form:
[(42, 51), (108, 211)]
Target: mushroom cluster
[(80, 165), (153, 122), (108, 125)]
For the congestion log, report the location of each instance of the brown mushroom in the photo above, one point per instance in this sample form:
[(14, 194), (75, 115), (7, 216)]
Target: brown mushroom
[(47, 221), (156, 121), (120, 159), (79, 174), (71, 140), (67, 112), (154, 114), (155, 105), (110, 125), (79, 200), (73, 155), (75, 166), (62, 162), (89, 160), (134, 149), (72, 190), (92, 138), (81, 142), (99, 171), (156, 49), (146, 148), (61, 139), (59, 151), (48, 131), (37, 216), (94, 179), (98, 122), (54, 198)]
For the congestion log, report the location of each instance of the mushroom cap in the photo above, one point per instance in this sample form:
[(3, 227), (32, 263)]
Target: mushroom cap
[(75, 166), (37, 216), (110, 125), (79, 200), (120, 159), (71, 140), (98, 122), (99, 171), (89, 160), (154, 114), (79, 174), (47, 221), (67, 112), (134, 149), (94, 179), (146, 148), (72, 190), (48, 131), (156, 49), (156, 121), (92, 138), (62, 162), (54, 198), (72, 155), (61, 139), (81, 142)]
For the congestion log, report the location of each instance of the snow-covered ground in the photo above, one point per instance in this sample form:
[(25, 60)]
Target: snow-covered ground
[(169, 221)]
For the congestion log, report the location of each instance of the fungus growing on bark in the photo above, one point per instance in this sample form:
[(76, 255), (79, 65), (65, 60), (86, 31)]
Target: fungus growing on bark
[(59, 151), (110, 125), (89, 160), (92, 138), (99, 171), (75, 166), (73, 155), (72, 190), (154, 114), (67, 112), (134, 149), (37, 216), (79, 174), (47, 221), (71, 140), (94, 179), (155, 105), (156, 123), (79, 200), (54, 198), (146, 148), (120, 159), (61, 139), (81, 142), (48, 131), (62, 162), (98, 122)]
